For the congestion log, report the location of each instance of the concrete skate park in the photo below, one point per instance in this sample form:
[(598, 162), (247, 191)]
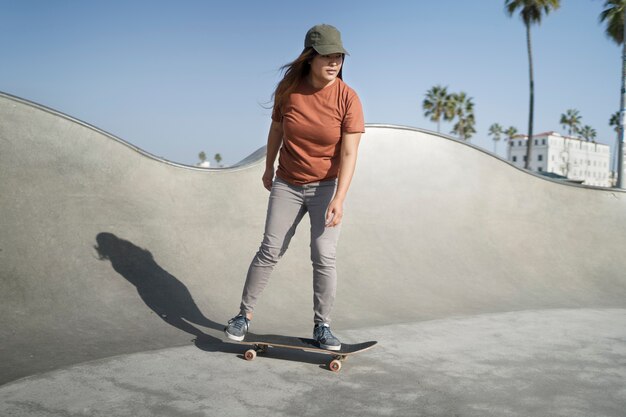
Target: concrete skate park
[(491, 291)]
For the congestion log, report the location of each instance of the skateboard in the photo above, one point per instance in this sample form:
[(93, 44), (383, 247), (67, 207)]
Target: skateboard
[(262, 342)]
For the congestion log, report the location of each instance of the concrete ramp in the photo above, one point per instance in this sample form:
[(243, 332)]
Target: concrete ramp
[(107, 250)]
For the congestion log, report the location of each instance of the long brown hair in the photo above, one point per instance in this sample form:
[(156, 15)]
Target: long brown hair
[(295, 72)]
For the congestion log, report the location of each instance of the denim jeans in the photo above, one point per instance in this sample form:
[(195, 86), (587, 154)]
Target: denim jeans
[(287, 206)]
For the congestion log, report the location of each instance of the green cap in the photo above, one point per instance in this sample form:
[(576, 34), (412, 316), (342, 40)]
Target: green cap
[(325, 39)]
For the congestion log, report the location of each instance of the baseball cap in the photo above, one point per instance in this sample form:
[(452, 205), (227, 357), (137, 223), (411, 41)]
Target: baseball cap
[(325, 39)]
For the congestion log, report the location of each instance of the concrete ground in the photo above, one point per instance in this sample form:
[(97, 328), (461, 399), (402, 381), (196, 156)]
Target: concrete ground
[(533, 363), (491, 291)]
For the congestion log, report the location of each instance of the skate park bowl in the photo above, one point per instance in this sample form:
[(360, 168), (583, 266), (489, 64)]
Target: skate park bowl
[(490, 290)]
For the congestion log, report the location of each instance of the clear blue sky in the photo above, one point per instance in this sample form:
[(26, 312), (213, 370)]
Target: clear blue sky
[(178, 77)]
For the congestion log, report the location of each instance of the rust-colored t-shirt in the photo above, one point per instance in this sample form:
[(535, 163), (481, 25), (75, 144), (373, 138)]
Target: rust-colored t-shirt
[(313, 122)]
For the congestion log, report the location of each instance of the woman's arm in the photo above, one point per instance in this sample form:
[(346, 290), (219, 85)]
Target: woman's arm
[(349, 150), (274, 140)]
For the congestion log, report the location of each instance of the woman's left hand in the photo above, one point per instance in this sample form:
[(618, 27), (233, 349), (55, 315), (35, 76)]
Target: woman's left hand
[(334, 213)]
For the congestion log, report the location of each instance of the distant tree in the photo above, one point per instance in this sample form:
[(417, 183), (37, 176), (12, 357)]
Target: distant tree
[(614, 121), (464, 114), (531, 11), (438, 105), (202, 156), (571, 121), (495, 130), (588, 133), (613, 15), (510, 133), (218, 158)]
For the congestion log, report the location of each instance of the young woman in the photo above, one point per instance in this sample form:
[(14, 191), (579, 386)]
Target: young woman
[(317, 121)]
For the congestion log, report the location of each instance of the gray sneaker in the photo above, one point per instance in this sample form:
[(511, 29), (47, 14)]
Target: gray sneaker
[(324, 337), (237, 328)]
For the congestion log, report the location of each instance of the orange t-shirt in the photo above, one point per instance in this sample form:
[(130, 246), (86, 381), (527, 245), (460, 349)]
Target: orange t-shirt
[(313, 122)]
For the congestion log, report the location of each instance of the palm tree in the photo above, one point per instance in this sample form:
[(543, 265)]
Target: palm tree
[(613, 15), (531, 11), (614, 123), (438, 104), (496, 131), (464, 112), (570, 120), (202, 156), (510, 133), (588, 132), (218, 158)]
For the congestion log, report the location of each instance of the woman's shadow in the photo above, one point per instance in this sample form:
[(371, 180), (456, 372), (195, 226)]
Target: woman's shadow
[(170, 298), (162, 292)]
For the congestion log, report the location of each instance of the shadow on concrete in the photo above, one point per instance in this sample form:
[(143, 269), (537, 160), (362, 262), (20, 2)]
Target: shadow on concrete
[(168, 297)]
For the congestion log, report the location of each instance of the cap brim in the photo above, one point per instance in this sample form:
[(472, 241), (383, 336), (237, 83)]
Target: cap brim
[(330, 49)]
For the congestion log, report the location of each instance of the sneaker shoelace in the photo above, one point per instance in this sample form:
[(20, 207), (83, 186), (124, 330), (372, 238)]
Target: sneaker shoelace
[(325, 333), (238, 322)]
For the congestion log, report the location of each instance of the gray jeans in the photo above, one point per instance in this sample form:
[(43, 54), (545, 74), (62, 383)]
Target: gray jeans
[(287, 206)]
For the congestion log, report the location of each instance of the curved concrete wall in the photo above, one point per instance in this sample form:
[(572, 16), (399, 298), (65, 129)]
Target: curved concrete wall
[(105, 249)]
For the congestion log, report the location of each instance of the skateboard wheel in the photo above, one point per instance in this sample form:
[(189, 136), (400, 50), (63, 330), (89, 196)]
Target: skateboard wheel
[(250, 354), (335, 365)]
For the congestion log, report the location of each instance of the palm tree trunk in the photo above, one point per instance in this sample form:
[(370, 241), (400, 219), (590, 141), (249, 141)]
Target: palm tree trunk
[(620, 147), (616, 156), (532, 98)]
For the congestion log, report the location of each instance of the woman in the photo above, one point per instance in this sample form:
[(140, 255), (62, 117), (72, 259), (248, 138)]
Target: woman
[(317, 121)]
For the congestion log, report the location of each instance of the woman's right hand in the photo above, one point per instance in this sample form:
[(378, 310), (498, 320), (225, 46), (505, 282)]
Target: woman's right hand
[(268, 177)]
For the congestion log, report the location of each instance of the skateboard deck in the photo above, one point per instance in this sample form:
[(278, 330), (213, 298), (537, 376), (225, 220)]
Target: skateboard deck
[(262, 342)]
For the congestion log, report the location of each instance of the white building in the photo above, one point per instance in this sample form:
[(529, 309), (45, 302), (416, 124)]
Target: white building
[(574, 158)]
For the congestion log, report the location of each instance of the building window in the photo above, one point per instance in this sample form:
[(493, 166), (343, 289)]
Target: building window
[(519, 143), (524, 158), (539, 169), (536, 142), (540, 158), (543, 141), (515, 159)]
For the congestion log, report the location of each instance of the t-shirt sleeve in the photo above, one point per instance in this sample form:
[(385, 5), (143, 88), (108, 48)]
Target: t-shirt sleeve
[(353, 121)]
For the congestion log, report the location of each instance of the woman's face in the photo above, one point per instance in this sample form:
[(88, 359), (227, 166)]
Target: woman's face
[(325, 68)]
